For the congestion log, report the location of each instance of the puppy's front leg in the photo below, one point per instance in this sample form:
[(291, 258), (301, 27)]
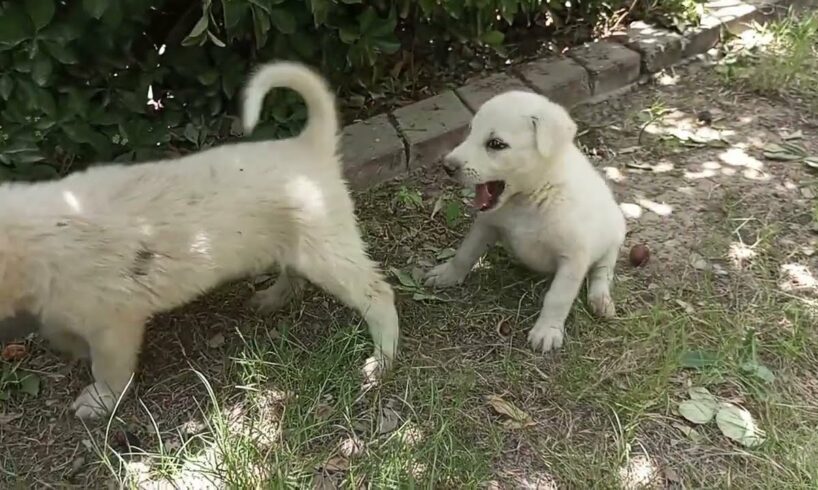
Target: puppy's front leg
[(114, 351), (549, 330), (478, 239)]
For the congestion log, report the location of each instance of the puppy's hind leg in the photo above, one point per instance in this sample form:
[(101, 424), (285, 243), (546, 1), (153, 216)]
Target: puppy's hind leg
[(343, 270), (287, 286), (600, 278), (114, 351)]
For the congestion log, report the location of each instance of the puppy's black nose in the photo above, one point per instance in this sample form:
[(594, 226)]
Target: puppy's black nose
[(450, 167)]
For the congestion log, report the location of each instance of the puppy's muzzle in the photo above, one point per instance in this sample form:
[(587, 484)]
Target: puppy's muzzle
[(451, 166)]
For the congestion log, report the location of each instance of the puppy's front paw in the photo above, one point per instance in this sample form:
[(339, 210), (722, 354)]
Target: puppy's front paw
[(94, 401), (546, 336), (445, 275), (374, 369), (603, 306)]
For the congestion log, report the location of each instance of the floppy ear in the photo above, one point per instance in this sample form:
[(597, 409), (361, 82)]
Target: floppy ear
[(554, 130)]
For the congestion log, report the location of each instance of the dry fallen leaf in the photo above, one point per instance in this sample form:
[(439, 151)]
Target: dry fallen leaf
[(388, 420), (518, 419), (689, 432), (697, 411), (323, 411), (336, 463), (14, 352), (737, 424)]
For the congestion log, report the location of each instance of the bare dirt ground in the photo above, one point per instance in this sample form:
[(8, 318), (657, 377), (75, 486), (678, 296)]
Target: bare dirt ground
[(726, 302)]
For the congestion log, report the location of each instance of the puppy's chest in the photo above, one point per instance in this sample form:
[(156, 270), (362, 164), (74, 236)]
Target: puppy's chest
[(528, 238)]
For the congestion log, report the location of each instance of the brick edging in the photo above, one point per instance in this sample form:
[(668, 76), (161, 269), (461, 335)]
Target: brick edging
[(390, 145)]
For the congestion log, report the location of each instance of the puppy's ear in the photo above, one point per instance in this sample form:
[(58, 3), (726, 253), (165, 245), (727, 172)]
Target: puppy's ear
[(554, 130)]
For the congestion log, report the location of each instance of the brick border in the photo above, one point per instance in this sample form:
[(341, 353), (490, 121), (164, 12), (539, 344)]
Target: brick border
[(387, 146)]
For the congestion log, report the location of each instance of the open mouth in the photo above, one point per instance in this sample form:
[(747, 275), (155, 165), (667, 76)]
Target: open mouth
[(487, 194)]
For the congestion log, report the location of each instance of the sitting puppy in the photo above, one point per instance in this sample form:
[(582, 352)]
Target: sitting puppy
[(536, 191), (96, 254)]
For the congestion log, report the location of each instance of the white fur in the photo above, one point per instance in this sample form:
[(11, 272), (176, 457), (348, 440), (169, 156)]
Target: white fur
[(556, 214), (96, 254)]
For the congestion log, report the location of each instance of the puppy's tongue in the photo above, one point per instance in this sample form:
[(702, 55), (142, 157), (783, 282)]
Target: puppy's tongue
[(482, 196)]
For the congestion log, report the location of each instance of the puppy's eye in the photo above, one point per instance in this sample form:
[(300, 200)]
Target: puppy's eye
[(496, 144)]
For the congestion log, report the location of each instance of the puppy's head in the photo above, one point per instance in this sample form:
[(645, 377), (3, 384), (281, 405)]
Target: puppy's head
[(513, 140)]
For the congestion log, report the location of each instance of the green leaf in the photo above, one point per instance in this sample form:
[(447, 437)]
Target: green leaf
[(198, 33), (77, 102), (404, 278), (15, 26), (698, 411), (759, 371), (40, 12), (30, 384), (41, 70), (737, 424), (387, 46), (192, 133), (698, 359), (493, 38), (233, 12), (261, 25), (62, 32), (215, 40), (61, 52), (82, 132), (452, 212), (42, 172), (368, 20), (446, 253), (701, 393), (96, 8), (811, 162), (426, 297), (114, 15), (208, 77), (303, 44), (43, 101), (349, 34), (283, 20), (6, 86)]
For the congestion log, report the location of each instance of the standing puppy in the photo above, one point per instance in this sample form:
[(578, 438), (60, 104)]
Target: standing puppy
[(536, 191), (96, 254)]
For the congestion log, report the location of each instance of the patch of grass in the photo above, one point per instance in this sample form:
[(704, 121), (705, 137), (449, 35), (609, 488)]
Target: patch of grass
[(780, 58)]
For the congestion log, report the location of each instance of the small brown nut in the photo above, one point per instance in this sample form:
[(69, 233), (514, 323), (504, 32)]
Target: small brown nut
[(639, 255), (14, 352)]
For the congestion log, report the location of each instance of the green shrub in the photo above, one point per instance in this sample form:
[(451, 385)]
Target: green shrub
[(76, 75)]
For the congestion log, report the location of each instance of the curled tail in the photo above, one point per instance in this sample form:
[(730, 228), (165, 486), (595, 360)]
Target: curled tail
[(321, 128)]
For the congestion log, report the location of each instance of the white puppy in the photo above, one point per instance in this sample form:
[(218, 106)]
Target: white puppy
[(536, 192), (95, 254)]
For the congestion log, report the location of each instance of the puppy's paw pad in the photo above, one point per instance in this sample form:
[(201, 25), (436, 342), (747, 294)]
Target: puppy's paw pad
[(603, 307), (444, 275), (93, 402), (546, 337)]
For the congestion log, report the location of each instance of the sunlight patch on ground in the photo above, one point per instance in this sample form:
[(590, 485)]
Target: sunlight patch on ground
[(741, 254), (638, 472), (797, 277), (661, 209)]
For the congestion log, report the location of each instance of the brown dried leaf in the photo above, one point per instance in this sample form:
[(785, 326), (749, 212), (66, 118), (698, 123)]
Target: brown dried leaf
[(14, 352), (518, 418)]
